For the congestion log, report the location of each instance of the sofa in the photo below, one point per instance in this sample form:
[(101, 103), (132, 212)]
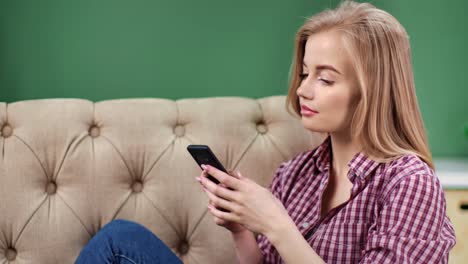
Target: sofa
[(69, 166)]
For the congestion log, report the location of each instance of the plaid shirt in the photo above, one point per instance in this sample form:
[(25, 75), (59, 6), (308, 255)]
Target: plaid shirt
[(396, 213)]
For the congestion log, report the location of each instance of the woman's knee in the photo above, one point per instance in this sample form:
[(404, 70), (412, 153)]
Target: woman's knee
[(130, 238), (121, 224), (123, 229)]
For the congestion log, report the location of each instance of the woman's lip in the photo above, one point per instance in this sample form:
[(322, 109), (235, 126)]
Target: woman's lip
[(307, 113), (307, 109)]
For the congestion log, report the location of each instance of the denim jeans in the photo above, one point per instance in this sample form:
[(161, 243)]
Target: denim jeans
[(126, 242)]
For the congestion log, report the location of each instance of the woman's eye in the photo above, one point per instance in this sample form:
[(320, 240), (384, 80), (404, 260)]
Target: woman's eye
[(303, 75), (325, 81)]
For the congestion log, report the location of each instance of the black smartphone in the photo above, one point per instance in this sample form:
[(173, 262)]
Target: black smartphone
[(203, 155)]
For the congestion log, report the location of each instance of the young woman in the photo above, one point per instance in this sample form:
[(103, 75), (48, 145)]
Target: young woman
[(368, 193)]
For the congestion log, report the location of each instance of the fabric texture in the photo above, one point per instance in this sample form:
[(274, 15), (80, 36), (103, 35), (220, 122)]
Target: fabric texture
[(396, 212), (70, 166)]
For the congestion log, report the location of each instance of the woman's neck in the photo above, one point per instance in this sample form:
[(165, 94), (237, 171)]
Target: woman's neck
[(343, 148)]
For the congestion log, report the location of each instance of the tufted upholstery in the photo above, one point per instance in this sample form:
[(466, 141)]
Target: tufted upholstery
[(69, 166)]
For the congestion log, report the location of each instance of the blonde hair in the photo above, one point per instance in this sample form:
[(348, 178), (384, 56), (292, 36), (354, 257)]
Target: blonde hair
[(387, 119)]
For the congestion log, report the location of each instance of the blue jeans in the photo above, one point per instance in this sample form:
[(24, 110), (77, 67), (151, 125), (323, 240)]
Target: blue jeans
[(125, 242)]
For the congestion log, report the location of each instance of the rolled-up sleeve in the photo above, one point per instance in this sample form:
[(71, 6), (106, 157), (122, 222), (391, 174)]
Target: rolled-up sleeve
[(411, 225)]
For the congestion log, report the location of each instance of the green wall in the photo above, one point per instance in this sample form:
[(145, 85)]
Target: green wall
[(105, 49)]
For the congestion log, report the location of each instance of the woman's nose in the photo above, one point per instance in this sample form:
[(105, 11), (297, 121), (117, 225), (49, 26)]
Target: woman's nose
[(305, 90)]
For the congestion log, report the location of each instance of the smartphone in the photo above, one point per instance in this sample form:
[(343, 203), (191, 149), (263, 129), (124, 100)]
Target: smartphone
[(203, 155)]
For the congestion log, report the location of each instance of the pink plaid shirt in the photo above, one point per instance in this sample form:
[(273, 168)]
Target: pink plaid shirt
[(396, 213)]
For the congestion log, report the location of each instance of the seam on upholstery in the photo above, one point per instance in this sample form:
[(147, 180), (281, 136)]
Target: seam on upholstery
[(5, 238), (177, 112), (3, 149), (92, 145), (75, 141), (93, 172), (162, 153), (48, 207), (3, 138), (262, 117), (189, 237), (27, 221), (163, 216), (35, 155), (193, 259), (125, 257), (245, 151), (269, 137), (178, 121), (120, 154), (187, 256), (74, 213), (277, 148), (121, 206), (190, 140), (158, 158)]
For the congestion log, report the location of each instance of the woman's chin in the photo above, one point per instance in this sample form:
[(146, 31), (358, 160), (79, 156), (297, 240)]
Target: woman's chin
[(314, 128), (314, 125)]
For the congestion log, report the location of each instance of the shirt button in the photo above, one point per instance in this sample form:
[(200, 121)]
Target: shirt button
[(305, 224)]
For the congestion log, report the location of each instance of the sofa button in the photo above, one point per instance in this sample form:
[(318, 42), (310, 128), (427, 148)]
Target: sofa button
[(184, 248), (10, 254), (94, 131), (262, 128), (7, 131), (137, 186), (51, 188), (179, 130)]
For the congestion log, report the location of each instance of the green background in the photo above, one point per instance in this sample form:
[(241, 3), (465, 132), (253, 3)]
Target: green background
[(106, 49)]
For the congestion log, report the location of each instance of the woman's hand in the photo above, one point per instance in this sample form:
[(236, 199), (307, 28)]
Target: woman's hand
[(249, 204), (235, 228), (231, 226)]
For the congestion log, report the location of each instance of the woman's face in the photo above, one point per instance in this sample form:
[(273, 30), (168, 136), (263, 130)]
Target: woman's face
[(329, 91)]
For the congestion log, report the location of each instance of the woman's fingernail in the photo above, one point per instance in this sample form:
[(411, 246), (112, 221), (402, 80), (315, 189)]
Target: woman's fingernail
[(203, 166), (198, 179)]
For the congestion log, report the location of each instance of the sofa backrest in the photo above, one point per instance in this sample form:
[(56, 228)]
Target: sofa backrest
[(69, 166)]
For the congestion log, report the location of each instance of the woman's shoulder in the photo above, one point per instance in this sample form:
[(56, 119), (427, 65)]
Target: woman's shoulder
[(409, 164), (408, 170), (295, 171), (303, 160)]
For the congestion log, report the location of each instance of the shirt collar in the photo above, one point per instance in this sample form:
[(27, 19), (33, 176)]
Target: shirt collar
[(360, 165), (322, 155)]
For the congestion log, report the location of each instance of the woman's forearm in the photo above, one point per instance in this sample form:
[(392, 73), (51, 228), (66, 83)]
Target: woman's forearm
[(247, 249), (291, 245)]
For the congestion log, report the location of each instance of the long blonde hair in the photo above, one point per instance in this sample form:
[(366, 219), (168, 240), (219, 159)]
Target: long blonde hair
[(387, 120)]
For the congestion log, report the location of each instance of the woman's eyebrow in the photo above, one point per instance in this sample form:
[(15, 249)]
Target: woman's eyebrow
[(327, 67), (324, 67)]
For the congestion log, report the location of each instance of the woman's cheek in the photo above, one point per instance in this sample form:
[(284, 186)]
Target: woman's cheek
[(335, 112)]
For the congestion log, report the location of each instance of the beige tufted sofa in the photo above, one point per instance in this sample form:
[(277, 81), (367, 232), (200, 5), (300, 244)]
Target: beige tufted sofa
[(69, 166)]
